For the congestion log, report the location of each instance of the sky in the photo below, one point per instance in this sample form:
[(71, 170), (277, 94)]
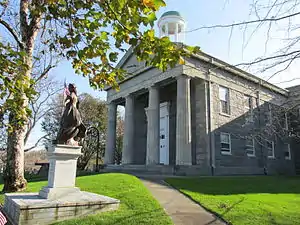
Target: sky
[(225, 44)]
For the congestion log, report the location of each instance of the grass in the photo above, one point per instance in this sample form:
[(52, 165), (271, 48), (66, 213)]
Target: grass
[(137, 204), (246, 200)]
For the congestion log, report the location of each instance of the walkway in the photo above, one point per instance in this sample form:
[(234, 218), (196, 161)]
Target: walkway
[(180, 208)]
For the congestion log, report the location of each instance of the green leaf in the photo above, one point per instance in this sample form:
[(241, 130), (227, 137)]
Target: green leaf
[(113, 56)]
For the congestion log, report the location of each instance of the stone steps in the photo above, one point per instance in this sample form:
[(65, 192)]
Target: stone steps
[(133, 169), (158, 170)]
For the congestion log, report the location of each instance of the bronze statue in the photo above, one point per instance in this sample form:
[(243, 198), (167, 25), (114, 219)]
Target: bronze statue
[(72, 130)]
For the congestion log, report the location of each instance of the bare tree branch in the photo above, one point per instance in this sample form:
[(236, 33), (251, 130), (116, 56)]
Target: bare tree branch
[(272, 19), (13, 33), (286, 67), (45, 72), (36, 144), (259, 60)]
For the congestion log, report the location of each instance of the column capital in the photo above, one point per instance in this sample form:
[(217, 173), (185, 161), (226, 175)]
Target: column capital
[(111, 103), (153, 87), (129, 95), (182, 76)]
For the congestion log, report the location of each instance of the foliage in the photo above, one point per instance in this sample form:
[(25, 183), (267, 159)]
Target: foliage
[(246, 200), (12, 84), (91, 34), (137, 205)]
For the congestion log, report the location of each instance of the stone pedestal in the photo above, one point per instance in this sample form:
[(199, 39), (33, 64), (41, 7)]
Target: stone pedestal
[(62, 171), (60, 199)]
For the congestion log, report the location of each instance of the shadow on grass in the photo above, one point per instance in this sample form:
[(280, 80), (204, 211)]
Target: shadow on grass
[(238, 185), (231, 186)]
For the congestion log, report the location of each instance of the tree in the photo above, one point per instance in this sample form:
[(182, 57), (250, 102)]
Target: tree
[(51, 121), (277, 18), (88, 33), (39, 105), (94, 115)]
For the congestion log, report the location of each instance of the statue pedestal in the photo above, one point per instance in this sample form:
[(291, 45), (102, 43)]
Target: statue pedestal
[(62, 171), (60, 199)]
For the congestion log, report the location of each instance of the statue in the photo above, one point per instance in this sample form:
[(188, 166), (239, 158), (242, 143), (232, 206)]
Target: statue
[(72, 130)]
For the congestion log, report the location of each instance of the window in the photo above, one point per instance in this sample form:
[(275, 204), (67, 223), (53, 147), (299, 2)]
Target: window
[(268, 115), (287, 152), (250, 150), (225, 143), (286, 121), (247, 102), (224, 99), (248, 108), (270, 147)]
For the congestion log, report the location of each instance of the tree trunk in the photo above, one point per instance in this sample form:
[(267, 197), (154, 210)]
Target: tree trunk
[(14, 172)]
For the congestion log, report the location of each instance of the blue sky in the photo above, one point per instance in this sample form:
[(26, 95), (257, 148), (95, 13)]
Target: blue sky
[(221, 43)]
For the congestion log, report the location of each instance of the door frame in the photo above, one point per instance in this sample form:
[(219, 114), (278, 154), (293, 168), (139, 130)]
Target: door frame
[(164, 111)]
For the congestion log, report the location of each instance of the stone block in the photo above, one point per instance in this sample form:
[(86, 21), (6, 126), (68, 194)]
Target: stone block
[(31, 208)]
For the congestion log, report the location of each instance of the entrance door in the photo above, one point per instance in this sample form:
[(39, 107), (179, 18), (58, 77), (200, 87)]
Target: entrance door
[(164, 134)]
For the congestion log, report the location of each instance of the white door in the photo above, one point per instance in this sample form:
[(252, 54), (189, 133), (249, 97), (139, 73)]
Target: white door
[(164, 134)]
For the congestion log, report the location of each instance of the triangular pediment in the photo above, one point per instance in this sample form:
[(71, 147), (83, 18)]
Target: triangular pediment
[(130, 63)]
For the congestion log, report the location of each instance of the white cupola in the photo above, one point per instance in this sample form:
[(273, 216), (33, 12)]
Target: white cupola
[(173, 25)]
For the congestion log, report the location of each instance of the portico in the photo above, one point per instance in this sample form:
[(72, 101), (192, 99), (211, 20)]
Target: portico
[(157, 122)]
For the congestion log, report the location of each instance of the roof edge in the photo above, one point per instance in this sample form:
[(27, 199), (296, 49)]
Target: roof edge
[(220, 64), (235, 70)]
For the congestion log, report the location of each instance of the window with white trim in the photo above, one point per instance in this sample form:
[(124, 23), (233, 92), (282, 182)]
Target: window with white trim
[(225, 143), (286, 121), (271, 150), (287, 152), (248, 105), (250, 147), (224, 100), (268, 115)]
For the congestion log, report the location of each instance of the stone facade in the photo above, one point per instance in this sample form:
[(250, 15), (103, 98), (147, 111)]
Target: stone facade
[(196, 121)]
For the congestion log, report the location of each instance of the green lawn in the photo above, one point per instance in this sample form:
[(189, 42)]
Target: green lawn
[(246, 200), (137, 204)]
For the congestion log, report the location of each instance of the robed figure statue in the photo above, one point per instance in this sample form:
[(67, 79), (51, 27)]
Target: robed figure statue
[(72, 130)]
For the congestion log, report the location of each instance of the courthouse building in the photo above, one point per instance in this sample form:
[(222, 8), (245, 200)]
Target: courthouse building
[(205, 117)]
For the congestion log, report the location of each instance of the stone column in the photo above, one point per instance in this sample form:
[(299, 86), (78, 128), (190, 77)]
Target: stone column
[(111, 134), (128, 144), (183, 122), (153, 140)]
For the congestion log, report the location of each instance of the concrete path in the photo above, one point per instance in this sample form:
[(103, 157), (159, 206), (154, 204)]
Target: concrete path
[(180, 208)]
